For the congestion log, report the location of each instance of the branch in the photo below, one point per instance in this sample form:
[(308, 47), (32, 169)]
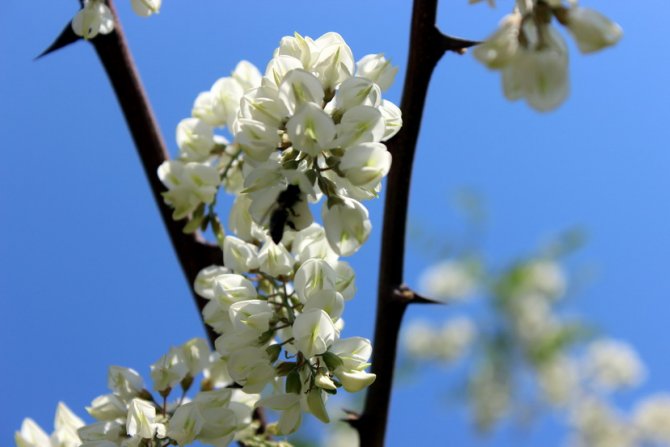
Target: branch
[(427, 45), (193, 252)]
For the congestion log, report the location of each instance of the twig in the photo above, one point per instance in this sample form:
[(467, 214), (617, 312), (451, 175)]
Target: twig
[(427, 45), (193, 252)]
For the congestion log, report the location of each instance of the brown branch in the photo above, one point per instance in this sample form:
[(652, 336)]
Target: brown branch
[(427, 45), (192, 251)]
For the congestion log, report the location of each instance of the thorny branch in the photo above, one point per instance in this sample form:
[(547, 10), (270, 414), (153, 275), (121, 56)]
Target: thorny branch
[(193, 252), (427, 45)]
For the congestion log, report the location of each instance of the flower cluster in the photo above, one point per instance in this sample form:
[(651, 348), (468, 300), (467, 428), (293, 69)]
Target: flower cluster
[(284, 298), (313, 126), (131, 416), (95, 17), (527, 341), (532, 55)]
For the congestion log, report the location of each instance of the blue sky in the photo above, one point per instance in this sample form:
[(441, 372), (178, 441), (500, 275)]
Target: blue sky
[(88, 277)]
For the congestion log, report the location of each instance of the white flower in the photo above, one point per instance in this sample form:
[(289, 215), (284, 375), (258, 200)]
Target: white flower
[(652, 418), (31, 435), (204, 282), (93, 19), (146, 8), (300, 87), (355, 92), (592, 30), (558, 380), (449, 281), (333, 61), (327, 300), (454, 338), (499, 49), (141, 420), (195, 139), (347, 226), (250, 367), (354, 353), (314, 276), (107, 408), (392, 119), (195, 355), (247, 75), (313, 332), (254, 314), (274, 259), (125, 382), (316, 403), (231, 288), (360, 124), (99, 433), (186, 423), (366, 164), (239, 256), (289, 407), (311, 130), (169, 370), (539, 75), (346, 280), (418, 339), (189, 185), (613, 364), (376, 68), (311, 243)]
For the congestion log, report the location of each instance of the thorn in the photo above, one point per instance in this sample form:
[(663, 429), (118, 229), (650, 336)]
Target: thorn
[(66, 37), (351, 417), (406, 295), (456, 44)]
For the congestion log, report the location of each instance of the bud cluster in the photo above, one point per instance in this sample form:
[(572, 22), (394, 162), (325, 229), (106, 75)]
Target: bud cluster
[(533, 56)]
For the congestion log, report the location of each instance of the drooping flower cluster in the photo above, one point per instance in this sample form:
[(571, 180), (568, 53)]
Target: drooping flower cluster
[(312, 126), (532, 55), (132, 416), (95, 17), (278, 309)]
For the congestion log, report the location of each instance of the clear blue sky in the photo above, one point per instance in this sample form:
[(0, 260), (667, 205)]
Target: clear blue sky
[(87, 275)]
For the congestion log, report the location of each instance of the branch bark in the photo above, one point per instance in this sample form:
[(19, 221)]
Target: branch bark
[(427, 45), (193, 252)]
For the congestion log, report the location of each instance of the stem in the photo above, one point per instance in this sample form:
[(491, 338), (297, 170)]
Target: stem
[(193, 252), (427, 45)]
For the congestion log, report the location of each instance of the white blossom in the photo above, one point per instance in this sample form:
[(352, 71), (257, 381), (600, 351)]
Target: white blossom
[(592, 31), (146, 8), (613, 364), (378, 69), (93, 19)]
